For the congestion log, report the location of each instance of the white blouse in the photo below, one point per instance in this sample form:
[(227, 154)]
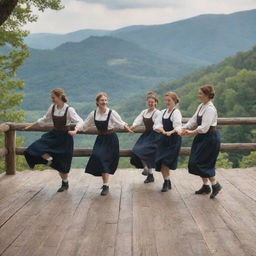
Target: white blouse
[(139, 119), (209, 118), (176, 119), (72, 116), (115, 121)]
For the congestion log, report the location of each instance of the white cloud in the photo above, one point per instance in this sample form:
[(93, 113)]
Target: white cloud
[(125, 4), (81, 14)]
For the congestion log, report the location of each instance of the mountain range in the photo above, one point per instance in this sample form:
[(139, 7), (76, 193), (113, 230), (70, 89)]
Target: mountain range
[(130, 60), (96, 64), (203, 39)]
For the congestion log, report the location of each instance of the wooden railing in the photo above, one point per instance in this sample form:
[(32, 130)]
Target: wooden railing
[(10, 150)]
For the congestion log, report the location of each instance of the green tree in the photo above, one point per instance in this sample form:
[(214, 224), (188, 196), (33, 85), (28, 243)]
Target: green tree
[(223, 161), (13, 52), (248, 161)]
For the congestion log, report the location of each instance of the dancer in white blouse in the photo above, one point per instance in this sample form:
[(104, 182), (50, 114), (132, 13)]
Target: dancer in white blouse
[(105, 155), (144, 151), (206, 144), (169, 123), (55, 148)]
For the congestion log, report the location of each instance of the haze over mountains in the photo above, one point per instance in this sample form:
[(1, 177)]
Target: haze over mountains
[(133, 59), (51, 41), (83, 69)]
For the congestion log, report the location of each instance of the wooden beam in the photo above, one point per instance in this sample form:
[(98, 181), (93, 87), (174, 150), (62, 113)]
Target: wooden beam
[(221, 121), (10, 158), (225, 147), (4, 127), (232, 120)]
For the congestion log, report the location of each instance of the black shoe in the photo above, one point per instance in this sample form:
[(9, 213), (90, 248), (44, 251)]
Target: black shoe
[(169, 184), (150, 178), (105, 190), (64, 186), (165, 186), (205, 189), (145, 172), (215, 190)]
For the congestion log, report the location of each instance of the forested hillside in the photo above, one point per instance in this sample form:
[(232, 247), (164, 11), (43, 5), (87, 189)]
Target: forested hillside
[(83, 69), (235, 83), (51, 41), (206, 38)]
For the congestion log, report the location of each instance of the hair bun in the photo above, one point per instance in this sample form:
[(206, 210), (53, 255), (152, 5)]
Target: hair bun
[(64, 98), (152, 95), (208, 90), (174, 96), (59, 92)]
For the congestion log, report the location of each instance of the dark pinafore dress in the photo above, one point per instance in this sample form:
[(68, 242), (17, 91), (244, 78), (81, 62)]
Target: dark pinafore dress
[(146, 146), (204, 152), (57, 143), (168, 147), (105, 154)]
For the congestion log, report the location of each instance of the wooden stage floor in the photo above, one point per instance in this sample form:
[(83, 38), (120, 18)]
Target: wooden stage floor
[(134, 219)]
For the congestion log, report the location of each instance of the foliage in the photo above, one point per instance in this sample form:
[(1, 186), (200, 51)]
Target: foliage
[(234, 80), (223, 161), (13, 53), (249, 161)]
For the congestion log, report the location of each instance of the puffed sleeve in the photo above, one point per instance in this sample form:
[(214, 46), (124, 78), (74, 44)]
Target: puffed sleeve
[(47, 118), (116, 120), (177, 120), (73, 116), (158, 122), (87, 123), (207, 120), (192, 122), (139, 119), (155, 115)]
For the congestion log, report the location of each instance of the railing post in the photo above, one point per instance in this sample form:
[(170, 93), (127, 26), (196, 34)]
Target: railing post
[(10, 158)]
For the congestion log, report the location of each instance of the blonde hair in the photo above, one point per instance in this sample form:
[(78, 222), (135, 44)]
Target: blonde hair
[(152, 95), (59, 92), (99, 95), (174, 96)]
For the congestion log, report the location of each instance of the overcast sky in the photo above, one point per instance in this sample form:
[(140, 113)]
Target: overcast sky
[(112, 14)]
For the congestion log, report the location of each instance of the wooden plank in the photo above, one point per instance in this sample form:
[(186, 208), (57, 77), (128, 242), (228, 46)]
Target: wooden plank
[(46, 242), (12, 232), (13, 198), (144, 242), (172, 226), (241, 209), (98, 237), (184, 236), (4, 127), (219, 236), (134, 219), (73, 237), (242, 180), (123, 246)]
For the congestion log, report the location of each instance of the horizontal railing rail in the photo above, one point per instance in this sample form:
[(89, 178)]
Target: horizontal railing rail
[(10, 150)]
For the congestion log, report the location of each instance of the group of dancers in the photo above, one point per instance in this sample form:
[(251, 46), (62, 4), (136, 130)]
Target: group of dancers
[(156, 149)]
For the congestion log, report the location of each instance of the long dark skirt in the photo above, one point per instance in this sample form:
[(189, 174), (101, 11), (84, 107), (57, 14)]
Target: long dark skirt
[(168, 151), (58, 144), (105, 155), (204, 153), (145, 149)]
